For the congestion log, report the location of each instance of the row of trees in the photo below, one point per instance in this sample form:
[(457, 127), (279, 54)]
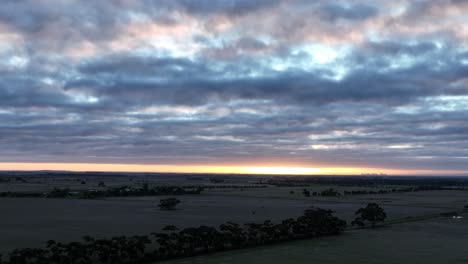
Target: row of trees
[(326, 192), (402, 190), (369, 181), (123, 191), (172, 242), (334, 193)]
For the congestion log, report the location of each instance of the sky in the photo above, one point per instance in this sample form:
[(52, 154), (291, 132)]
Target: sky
[(285, 86)]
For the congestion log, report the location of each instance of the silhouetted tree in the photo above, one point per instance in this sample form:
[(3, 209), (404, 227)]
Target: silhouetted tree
[(58, 193), (168, 203), (372, 213), (330, 192)]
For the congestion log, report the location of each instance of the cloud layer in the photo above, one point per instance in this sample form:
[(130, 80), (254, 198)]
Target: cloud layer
[(312, 83)]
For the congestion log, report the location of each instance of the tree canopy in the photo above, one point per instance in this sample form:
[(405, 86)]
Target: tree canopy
[(372, 213)]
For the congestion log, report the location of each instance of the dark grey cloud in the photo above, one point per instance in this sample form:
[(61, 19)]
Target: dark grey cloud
[(398, 48), (334, 10), (206, 7), (63, 20), (183, 81)]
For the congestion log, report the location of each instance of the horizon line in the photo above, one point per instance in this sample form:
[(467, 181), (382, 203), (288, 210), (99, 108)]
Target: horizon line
[(285, 170), (242, 174)]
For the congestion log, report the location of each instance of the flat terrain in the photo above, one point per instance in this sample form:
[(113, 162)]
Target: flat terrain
[(30, 222)]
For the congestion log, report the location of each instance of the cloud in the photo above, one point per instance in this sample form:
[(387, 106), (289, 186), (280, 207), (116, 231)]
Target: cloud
[(184, 81), (334, 11), (321, 83), (207, 7)]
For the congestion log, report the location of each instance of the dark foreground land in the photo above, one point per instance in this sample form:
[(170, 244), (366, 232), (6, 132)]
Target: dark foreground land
[(434, 241), (64, 207)]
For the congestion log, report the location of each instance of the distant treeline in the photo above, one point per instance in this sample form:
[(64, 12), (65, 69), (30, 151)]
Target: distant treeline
[(286, 183), (367, 181), (129, 191), (18, 179), (175, 243), (327, 192), (224, 186), (334, 193), (403, 190), (123, 191)]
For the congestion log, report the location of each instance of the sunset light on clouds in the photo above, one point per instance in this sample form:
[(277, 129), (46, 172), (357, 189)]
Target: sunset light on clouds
[(239, 86)]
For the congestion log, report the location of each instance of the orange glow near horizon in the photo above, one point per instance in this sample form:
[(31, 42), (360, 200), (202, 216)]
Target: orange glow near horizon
[(240, 169)]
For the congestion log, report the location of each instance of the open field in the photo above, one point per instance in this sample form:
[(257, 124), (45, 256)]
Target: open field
[(29, 222)]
